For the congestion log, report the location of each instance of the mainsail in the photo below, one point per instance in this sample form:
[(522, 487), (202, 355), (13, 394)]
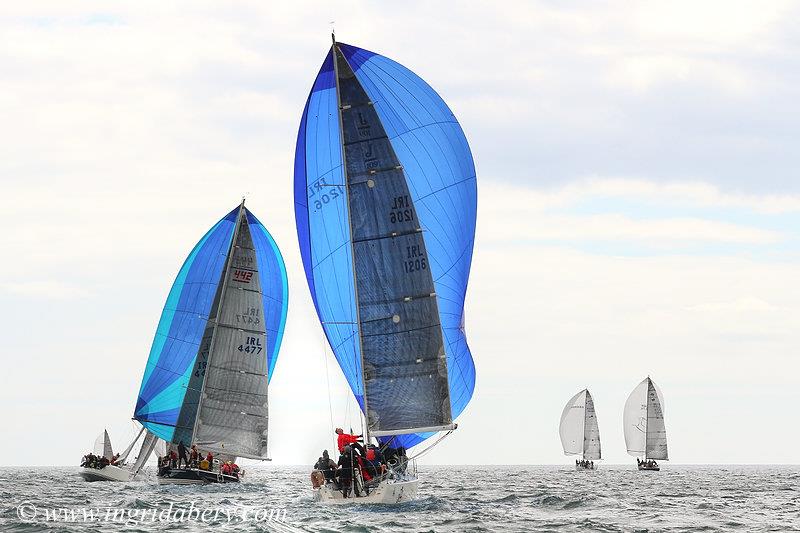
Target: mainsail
[(578, 429), (643, 421), (385, 202), (591, 433), (217, 342)]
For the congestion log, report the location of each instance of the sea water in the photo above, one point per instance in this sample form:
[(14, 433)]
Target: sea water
[(457, 499)]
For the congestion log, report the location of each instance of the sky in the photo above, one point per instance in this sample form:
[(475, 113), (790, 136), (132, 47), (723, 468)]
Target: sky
[(638, 210)]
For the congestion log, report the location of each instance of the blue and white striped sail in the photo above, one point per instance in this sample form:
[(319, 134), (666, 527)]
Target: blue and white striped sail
[(196, 310), (385, 206)]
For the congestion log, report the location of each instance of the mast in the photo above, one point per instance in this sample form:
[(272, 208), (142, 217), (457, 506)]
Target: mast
[(585, 417), (224, 281), (334, 49), (646, 416)]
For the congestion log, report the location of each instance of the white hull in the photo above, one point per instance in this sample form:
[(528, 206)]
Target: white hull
[(109, 473), (390, 491)]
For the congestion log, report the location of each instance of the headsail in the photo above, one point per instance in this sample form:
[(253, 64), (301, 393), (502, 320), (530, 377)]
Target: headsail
[(217, 342), (148, 444), (385, 201), (643, 421)]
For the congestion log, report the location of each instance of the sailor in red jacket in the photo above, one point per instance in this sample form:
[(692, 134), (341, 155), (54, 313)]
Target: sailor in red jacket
[(345, 439)]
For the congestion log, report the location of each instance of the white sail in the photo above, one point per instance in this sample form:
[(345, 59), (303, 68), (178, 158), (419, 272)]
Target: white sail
[(634, 419), (102, 446), (128, 450), (148, 444), (160, 448), (656, 445), (591, 431), (571, 428)]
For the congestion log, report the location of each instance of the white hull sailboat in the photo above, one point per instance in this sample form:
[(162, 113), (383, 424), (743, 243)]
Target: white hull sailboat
[(643, 421), (579, 431), (386, 492), (107, 473), (385, 205), (120, 471)]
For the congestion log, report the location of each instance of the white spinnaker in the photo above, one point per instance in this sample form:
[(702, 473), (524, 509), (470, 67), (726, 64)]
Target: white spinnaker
[(102, 446), (656, 430), (634, 419), (591, 431), (571, 428)]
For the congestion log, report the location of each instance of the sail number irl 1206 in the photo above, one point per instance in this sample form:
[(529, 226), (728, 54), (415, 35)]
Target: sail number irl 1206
[(415, 259)]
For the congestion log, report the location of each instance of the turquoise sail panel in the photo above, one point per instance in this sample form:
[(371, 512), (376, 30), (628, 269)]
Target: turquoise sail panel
[(274, 287), (440, 174)]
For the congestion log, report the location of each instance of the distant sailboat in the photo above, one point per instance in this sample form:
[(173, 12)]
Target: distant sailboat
[(643, 421), (385, 203), (580, 434), (215, 347)]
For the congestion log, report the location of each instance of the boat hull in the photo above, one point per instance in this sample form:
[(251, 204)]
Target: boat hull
[(390, 491), (193, 476), (107, 473), (587, 467), (649, 468)]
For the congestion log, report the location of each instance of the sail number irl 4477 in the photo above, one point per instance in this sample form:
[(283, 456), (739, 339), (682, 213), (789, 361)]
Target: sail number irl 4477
[(251, 345)]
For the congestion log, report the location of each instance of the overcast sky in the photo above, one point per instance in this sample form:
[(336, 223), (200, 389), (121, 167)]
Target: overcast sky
[(639, 209)]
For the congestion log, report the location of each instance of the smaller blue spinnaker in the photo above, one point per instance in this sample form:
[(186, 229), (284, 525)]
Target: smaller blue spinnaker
[(217, 342)]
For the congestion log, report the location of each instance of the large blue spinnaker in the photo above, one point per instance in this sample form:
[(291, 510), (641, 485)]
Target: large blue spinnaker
[(385, 206), (230, 340)]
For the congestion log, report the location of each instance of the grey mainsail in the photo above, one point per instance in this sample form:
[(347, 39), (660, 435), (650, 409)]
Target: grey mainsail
[(232, 409), (591, 432), (404, 364), (656, 445)]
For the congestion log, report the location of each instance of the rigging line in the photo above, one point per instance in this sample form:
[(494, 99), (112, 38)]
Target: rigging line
[(430, 447), (327, 381)]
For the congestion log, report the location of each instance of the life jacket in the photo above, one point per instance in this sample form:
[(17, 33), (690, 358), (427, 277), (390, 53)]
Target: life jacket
[(371, 454)]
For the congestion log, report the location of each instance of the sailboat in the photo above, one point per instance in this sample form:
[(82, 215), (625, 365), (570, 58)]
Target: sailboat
[(214, 351), (580, 434), (643, 420), (385, 204)]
